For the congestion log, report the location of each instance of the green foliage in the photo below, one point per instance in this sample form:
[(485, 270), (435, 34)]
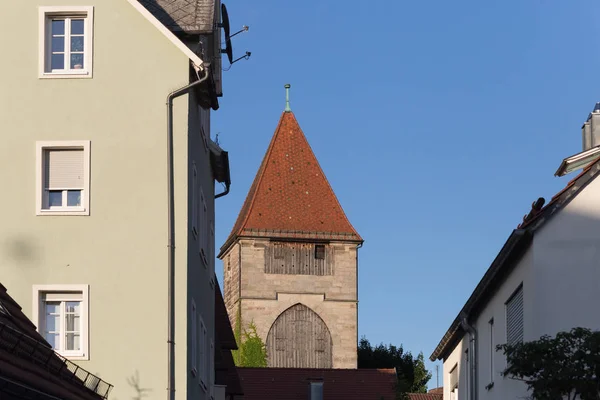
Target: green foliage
[(567, 366), (253, 352), (411, 372)]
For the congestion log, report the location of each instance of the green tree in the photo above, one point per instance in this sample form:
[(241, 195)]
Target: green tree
[(564, 367), (411, 372)]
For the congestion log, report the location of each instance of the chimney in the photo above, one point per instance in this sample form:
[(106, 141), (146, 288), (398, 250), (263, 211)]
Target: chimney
[(591, 129)]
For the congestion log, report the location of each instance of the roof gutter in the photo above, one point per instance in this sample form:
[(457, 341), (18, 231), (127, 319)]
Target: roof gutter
[(171, 229), (516, 242)]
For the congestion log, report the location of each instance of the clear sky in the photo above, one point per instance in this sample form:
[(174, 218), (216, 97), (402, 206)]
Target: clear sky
[(437, 123)]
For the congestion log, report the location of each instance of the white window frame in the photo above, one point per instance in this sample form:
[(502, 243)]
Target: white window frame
[(45, 40), (84, 209), (195, 200), (40, 290)]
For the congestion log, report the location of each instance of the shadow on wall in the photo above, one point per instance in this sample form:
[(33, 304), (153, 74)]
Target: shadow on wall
[(23, 251), (139, 392)]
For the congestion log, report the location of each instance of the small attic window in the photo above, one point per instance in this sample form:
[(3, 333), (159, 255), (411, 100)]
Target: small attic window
[(320, 251)]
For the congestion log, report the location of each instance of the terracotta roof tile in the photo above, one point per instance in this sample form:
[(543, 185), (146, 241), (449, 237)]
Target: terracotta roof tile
[(425, 396), (290, 194), (292, 383)]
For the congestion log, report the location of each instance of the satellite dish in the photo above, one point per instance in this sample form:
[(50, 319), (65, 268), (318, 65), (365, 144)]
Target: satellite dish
[(225, 25)]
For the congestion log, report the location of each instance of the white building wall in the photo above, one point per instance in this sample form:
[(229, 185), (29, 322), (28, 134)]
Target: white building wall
[(561, 290), (567, 266), (491, 363)]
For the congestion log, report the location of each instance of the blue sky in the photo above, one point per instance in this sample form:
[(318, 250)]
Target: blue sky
[(437, 123)]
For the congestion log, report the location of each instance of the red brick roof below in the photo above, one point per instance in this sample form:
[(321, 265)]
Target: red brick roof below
[(290, 195), (438, 390), (293, 383), (426, 396)]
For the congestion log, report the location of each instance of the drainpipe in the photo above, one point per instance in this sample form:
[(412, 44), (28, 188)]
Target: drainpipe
[(171, 231), (473, 354)]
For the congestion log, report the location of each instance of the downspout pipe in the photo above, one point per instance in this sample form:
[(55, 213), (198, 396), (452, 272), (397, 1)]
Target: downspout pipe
[(171, 231), (473, 356)]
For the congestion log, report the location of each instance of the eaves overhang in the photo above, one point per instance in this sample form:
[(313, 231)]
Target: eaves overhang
[(503, 264), (578, 161)]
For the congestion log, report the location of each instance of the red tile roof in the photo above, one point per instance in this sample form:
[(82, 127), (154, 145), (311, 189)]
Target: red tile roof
[(438, 390), (425, 396), (290, 195), (292, 383)]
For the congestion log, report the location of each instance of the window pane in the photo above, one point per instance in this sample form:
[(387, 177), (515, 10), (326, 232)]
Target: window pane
[(72, 342), (58, 61), (55, 198), (58, 27), (76, 61), (77, 43), (77, 26), (74, 198), (73, 323), (58, 44), (52, 323), (52, 338)]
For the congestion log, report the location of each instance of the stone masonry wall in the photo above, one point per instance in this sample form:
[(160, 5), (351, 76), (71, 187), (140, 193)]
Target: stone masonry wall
[(231, 272), (265, 296)]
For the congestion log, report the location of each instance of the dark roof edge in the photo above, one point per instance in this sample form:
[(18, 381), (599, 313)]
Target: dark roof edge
[(514, 246), (509, 256)]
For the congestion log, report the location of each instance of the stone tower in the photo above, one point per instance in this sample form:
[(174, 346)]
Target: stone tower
[(290, 262)]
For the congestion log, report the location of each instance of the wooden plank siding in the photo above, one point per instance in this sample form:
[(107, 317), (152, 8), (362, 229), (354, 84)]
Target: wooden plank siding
[(298, 259), (299, 338)]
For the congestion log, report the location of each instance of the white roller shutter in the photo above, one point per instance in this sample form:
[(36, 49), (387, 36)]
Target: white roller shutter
[(63, 169), (514, 318)]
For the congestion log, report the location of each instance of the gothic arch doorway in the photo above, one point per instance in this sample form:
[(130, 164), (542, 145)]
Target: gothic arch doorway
[(299, 338)]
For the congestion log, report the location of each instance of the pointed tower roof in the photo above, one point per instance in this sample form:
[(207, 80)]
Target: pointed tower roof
[(290, 196)]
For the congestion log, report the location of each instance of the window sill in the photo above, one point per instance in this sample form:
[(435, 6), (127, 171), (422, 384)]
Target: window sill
[(66, 75), (74, 356), (75, 212)]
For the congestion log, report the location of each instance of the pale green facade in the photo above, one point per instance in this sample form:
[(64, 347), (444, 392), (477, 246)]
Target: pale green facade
[(120, 249)]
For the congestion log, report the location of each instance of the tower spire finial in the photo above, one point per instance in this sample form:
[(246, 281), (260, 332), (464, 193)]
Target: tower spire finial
[(287, 97)]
